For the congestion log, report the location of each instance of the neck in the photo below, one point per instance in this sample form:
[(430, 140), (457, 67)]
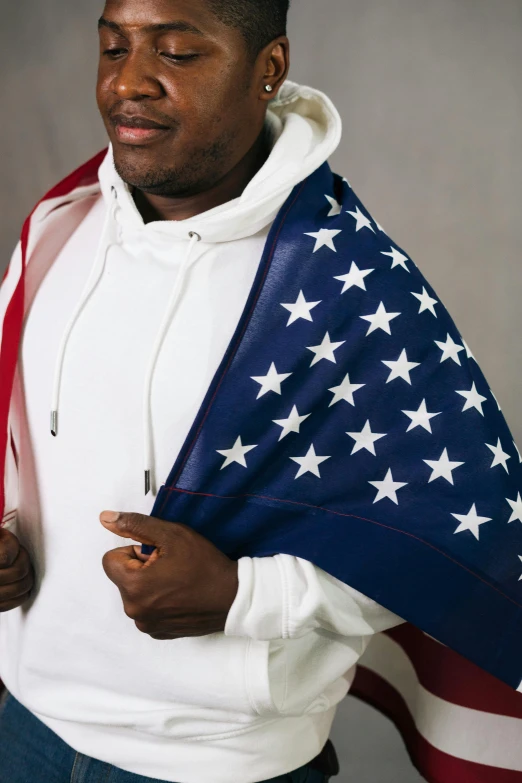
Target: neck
[(231, 186)]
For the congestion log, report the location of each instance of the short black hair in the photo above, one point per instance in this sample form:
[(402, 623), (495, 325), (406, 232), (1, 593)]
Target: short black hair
[(259, 21)]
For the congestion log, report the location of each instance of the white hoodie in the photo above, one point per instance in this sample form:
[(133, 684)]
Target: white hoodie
[(123, 337)]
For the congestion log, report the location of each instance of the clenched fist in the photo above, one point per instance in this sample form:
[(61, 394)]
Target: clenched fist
[(16, 572)]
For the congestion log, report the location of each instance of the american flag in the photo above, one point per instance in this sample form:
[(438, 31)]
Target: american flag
[(350, 424)]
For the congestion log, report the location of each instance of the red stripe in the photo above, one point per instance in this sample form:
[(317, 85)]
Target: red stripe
[(453, 678), (85, 175), (434, 765)]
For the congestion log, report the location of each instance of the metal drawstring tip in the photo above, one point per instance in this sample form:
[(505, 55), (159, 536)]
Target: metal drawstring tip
[(147, 482), (54, 423)]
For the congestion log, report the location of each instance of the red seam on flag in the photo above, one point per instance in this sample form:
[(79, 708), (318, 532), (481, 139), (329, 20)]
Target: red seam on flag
[(433, 764), (343, 514)]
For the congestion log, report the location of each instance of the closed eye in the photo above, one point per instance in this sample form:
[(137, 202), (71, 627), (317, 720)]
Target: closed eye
[(179, 57), (114, 52)]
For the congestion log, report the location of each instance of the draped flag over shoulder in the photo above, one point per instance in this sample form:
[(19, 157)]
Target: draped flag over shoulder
[(350, 424)]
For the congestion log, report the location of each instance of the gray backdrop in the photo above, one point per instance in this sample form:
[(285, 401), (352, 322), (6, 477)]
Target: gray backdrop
[(430, 97)]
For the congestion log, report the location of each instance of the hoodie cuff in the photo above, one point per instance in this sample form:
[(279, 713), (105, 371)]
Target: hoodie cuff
[(259, 610)]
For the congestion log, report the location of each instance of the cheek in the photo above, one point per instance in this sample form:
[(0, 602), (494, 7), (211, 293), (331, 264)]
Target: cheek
[(103, 90)]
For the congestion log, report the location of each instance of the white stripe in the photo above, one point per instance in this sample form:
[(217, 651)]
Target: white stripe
[(471, 735)]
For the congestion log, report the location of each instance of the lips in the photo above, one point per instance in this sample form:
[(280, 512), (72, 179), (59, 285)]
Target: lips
[(137, 129)]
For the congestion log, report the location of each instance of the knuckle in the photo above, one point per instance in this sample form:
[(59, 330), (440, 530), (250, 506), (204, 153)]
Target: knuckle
[(128, 522), (132, 610)]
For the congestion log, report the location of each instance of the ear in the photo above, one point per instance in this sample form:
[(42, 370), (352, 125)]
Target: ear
[(274, 64)]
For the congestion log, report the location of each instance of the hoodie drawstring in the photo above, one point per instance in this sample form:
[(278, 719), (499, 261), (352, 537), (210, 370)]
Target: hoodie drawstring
[(173, 302), (92, 282)]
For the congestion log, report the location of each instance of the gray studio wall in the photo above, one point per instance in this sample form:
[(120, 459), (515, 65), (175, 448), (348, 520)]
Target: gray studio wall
[(430, 97)]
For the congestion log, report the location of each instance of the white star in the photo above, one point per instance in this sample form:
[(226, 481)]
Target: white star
[(362, 220), (301, 309), (379, 320), (236, 454), (354, 277), (365, 439), (473, 399), (421, 418), (442, 468), (345, 180), (309, 463), (470, 521), (345, 391), (520, 577), (468, 351), (336, 208), (427, 303), (325, 350), (516, 506), (271, 382), (380, 227), (501, 457), (401, 368), (324, 238), (292, 423), (399, 259), (498, 404), (387, 488), (450, 350), (518, 452)]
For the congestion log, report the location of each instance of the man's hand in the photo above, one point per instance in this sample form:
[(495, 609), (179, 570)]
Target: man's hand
[(184, 588), (16, 572)]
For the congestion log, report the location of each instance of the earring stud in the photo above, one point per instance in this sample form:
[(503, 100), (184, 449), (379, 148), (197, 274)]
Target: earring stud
[(268, 87)]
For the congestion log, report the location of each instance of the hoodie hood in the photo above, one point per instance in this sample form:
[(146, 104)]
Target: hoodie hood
[(305, 129)]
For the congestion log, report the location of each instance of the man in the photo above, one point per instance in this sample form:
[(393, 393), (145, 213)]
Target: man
[(161, 289), (183, 89)]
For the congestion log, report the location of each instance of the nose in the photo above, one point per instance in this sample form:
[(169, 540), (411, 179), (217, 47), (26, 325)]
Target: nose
[(135, 79)]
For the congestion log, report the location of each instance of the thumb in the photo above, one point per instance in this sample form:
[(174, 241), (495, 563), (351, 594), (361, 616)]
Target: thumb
[(138, 527)]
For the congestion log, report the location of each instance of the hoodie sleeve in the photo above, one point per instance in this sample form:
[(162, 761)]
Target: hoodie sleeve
[(307, 632), (287, 597)]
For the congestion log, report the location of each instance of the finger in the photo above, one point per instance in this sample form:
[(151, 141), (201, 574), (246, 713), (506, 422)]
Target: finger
[(15, 603), (118, 563), (16, 589), (139, 554), (9, 548), (138, 527), (19, 568)]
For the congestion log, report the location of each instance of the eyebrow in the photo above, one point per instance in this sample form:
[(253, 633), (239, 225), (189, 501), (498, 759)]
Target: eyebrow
[(178, 26)]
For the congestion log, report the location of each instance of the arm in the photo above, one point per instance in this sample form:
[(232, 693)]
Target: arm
[(286, 597), (316, 628)]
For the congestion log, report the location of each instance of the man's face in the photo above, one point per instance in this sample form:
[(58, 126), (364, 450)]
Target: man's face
[(178, 94)]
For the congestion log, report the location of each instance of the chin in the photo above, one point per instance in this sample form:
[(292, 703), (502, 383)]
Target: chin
[(141, 168)]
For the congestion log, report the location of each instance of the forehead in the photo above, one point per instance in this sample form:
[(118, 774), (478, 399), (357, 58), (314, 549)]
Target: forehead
[(146, 13)]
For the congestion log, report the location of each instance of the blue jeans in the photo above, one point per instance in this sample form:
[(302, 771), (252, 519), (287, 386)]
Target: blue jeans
[(31, 753)]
